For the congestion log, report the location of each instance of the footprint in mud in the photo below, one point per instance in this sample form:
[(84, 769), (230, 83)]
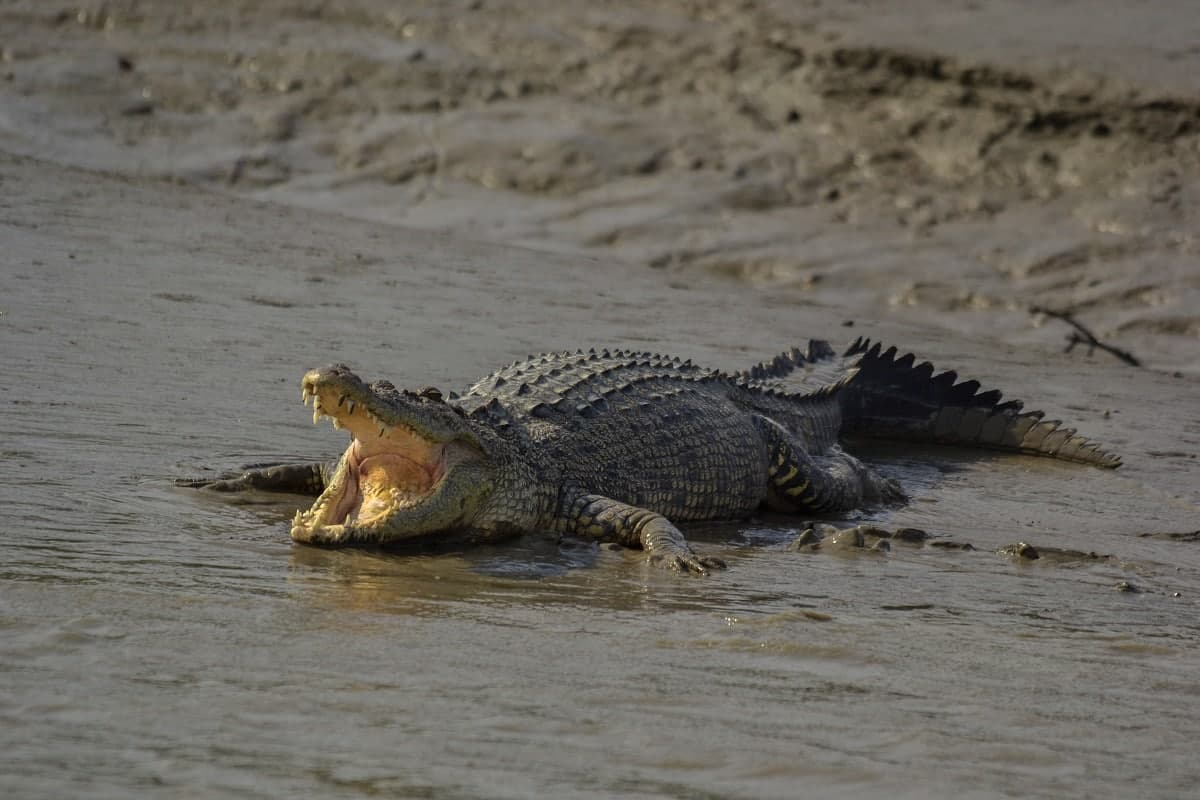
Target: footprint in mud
[(822, 537), (829, 538), (1023, 552), (818, 536), (1055, 556), (1185, 536)]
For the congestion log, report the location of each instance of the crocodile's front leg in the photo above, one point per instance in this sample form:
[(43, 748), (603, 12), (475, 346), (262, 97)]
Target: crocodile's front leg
[(307, 478), (598, 517)]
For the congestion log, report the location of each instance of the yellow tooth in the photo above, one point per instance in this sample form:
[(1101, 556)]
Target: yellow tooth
[(337, 423), (316, 414)]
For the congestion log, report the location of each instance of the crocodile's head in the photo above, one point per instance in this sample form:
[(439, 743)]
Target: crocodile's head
[(413, 467)]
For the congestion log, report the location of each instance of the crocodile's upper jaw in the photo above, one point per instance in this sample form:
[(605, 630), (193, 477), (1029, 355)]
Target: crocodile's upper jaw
[(389, 468)]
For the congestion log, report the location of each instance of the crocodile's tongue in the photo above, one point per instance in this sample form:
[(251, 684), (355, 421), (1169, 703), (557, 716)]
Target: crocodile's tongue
[(384, 475)]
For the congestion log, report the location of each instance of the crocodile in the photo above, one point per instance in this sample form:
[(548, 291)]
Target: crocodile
[(620, 446)]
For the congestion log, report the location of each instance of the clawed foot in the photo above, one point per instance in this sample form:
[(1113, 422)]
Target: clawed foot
[(305, 478), (687, 563), (820, 536), (226, 483)]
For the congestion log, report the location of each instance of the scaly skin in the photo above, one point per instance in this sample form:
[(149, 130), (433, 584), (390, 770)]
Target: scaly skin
[(617, 445)]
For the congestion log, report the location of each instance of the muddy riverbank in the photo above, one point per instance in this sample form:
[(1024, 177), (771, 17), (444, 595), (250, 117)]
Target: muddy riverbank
[(950, 165)]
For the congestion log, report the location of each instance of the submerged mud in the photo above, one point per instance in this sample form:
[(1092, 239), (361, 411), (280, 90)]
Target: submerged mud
[(720, 181)]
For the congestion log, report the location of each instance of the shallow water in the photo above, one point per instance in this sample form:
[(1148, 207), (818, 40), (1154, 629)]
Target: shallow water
[(768, 172), (158, 641)]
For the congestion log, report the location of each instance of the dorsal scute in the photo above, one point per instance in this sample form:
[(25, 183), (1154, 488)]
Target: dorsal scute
[(810, 373), (576, 384)]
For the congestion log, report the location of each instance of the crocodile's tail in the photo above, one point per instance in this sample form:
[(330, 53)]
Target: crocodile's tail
[(894, 398)]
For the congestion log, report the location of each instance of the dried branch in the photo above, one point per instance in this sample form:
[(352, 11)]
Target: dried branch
[(1082, 335)]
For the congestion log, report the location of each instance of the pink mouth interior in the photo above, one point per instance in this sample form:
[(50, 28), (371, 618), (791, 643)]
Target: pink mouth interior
[(378, 474)]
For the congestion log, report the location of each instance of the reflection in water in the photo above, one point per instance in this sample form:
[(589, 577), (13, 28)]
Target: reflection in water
[(528, 569)]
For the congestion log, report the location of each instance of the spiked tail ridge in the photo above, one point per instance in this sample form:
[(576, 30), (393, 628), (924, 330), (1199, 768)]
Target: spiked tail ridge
[(784, 364), (812, 371), (892, 397)]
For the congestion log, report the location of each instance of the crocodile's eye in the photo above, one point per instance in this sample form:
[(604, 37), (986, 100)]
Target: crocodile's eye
[(431, 393)]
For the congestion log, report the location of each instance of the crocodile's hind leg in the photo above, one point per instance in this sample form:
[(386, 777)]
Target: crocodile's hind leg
[(598, 517), (832, 481), (309, 478)]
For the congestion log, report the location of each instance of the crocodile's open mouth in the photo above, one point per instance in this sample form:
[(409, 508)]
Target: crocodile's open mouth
[(386, 469)]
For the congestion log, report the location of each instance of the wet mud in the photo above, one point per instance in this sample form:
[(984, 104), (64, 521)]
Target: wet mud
[(772, 145), (198, 205)]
